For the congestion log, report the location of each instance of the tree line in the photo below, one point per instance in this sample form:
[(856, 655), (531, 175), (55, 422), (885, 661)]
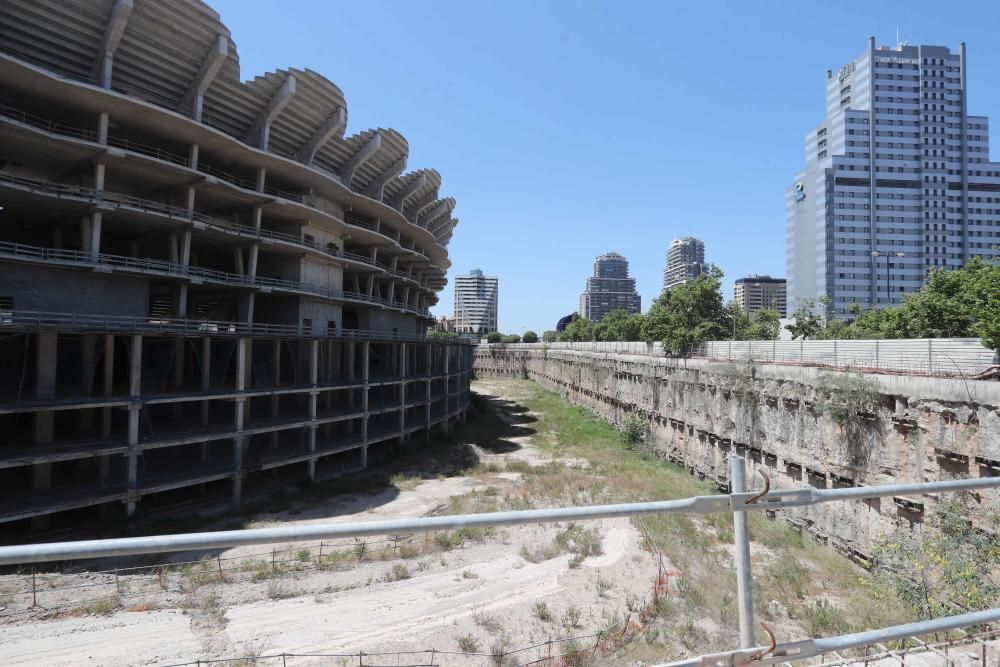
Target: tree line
[(963, 302)]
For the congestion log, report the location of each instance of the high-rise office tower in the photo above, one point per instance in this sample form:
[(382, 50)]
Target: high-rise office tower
[(897, 181), (755, 292), (609, 289), (685, 261), (476, 303)]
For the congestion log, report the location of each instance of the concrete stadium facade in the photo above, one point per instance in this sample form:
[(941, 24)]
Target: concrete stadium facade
[(205, 286)]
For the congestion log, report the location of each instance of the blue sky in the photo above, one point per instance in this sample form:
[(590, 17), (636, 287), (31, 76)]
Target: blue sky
[(567, 129)]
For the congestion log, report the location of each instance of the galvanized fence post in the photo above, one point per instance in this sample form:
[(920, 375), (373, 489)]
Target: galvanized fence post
[(744, 581)]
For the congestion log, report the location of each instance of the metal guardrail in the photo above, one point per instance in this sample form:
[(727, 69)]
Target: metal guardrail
[(214, 223), (739, 502), (83, 258), (35, 320)]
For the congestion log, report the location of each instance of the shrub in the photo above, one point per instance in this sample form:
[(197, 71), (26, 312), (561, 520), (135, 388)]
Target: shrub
[(823, 619), (634, 430), (468, 644), (540, 610), (398, 572), (278, 591), (571, 617)]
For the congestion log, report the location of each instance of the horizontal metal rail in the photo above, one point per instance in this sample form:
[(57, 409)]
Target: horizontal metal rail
[(808, 648), (131, 546), (34, 320)]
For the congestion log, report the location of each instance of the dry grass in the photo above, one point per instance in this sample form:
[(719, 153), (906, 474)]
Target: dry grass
[(801, 574)]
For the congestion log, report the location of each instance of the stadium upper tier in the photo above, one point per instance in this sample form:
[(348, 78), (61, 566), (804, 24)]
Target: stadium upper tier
[(169, 68)]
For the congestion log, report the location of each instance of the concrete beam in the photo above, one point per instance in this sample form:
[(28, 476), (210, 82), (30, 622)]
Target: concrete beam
[(333, 126), (260, 130), (435, 213), (195, 96), (413, 212), (376, 187), (443, 227), (361, 156), (112, 38), (399, 201)]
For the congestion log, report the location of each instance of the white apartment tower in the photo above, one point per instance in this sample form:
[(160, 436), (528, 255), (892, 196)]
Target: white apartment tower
[(476, 303), (897, 181), (685, 261)]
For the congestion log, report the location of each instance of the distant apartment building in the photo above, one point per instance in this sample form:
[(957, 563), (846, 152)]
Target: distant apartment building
[(897, 181), (685, 261), (476, 303), (445, 324), (609, 289), (755, 293)]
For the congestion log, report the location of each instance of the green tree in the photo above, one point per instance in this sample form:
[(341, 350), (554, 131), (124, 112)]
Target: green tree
[(579, 330), (510, 338), (619, 325), (494, 337), (529, 337), (739, 322), (957, 303), (437, 333), (550, 336), (689, 314), (764, 325), (947, 566), (807, 323)]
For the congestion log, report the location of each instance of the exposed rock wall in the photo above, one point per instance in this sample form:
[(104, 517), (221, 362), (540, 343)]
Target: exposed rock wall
[(802, 426)]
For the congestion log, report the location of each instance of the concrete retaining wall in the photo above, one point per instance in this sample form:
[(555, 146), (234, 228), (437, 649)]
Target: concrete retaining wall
[(782, 418)]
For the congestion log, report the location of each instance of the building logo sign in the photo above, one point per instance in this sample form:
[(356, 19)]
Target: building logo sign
[(896, 60), (799, 192), (846, 71)]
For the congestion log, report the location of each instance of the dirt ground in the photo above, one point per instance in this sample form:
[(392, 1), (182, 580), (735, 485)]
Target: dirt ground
[(482, 591)]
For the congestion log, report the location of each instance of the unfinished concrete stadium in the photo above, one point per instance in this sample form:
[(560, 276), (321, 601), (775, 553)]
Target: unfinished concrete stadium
[(205, 287)]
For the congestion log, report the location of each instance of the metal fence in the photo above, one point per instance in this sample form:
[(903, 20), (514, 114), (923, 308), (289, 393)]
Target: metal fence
[(739, 502), (965, 357)]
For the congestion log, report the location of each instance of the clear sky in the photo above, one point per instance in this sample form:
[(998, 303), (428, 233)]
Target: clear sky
[(567, 129)]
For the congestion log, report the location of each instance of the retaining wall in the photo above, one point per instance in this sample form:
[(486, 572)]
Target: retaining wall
[(785, 421)]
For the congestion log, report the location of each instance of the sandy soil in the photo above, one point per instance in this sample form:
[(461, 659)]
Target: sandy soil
[(482, 590)]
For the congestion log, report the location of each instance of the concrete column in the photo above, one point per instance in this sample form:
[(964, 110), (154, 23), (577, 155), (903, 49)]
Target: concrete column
[(88, 344), (246, 308), (102, 128), (206, 376), (258, 214), (238, 260), (108, 384), (254, 253), (275, 401), (100, 170), (45, 389), (371, 283), (313, 396), (107, 389), (365, 351), (178, 362), (447, 385), (172, 249), (402, 391), (189, 200), (134, 412), (392, 291), (193, 154), (428, 348), (95, 234), (182, 301), (261, 178), (239, 442)]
